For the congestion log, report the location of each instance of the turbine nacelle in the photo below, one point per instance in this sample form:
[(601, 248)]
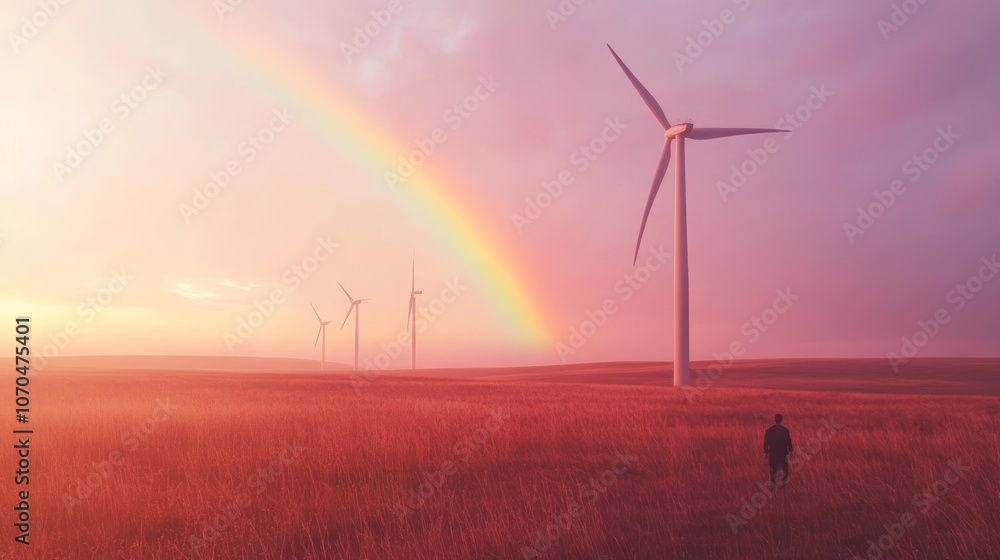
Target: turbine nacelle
[(678, 130)]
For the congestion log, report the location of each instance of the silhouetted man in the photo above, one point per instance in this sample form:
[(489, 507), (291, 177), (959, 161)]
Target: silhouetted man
[(777, 445)]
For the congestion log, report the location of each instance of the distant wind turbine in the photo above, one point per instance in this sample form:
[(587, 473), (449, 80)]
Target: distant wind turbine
[(682, 375), (355, 304), (322, 332), (411, 314)]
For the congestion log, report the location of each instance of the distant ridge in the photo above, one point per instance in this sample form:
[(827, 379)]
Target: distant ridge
[(944, 376), (929, 376)]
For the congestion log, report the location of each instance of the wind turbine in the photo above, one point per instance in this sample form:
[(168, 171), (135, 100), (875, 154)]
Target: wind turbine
[(355, 304), (412, 312), (322, 332), (682, 374)]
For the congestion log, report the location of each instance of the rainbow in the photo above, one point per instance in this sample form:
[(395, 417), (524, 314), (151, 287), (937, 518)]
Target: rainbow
[(428, 193)]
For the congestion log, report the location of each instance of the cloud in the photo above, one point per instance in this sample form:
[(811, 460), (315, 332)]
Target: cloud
[(188, 291), (214, 292)]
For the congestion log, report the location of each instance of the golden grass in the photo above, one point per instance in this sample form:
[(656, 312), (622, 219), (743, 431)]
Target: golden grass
[(361, 454)]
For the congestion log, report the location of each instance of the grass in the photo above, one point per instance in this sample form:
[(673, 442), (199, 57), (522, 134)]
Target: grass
[(302, 466)]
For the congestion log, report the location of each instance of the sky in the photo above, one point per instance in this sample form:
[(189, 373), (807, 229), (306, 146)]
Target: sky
[(188, 177)]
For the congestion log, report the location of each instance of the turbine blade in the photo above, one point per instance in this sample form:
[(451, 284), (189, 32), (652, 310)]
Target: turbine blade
[(712, 133), (661, 170), (413, 273), (646, 96), (348, 316), (345, 291), (316, 312), (319, 332), (409, 309)]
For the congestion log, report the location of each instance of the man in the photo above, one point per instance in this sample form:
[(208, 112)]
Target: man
[(777, 445)]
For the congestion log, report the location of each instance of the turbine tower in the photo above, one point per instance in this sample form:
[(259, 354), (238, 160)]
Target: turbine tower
[(411, 314), (355, 304), (682, 364), (322, 332)]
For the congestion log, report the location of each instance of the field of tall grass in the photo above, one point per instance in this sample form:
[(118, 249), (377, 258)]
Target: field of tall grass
[(213, 465)]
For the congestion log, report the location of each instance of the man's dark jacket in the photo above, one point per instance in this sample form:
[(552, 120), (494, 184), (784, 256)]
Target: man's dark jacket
[(777, 441)]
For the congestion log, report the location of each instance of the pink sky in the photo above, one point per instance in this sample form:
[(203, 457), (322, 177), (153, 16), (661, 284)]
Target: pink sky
[(890, 92)]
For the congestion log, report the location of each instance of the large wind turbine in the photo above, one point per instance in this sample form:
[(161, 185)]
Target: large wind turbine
[(355, 304), (682, 375), (411, 314), (322, 332)]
